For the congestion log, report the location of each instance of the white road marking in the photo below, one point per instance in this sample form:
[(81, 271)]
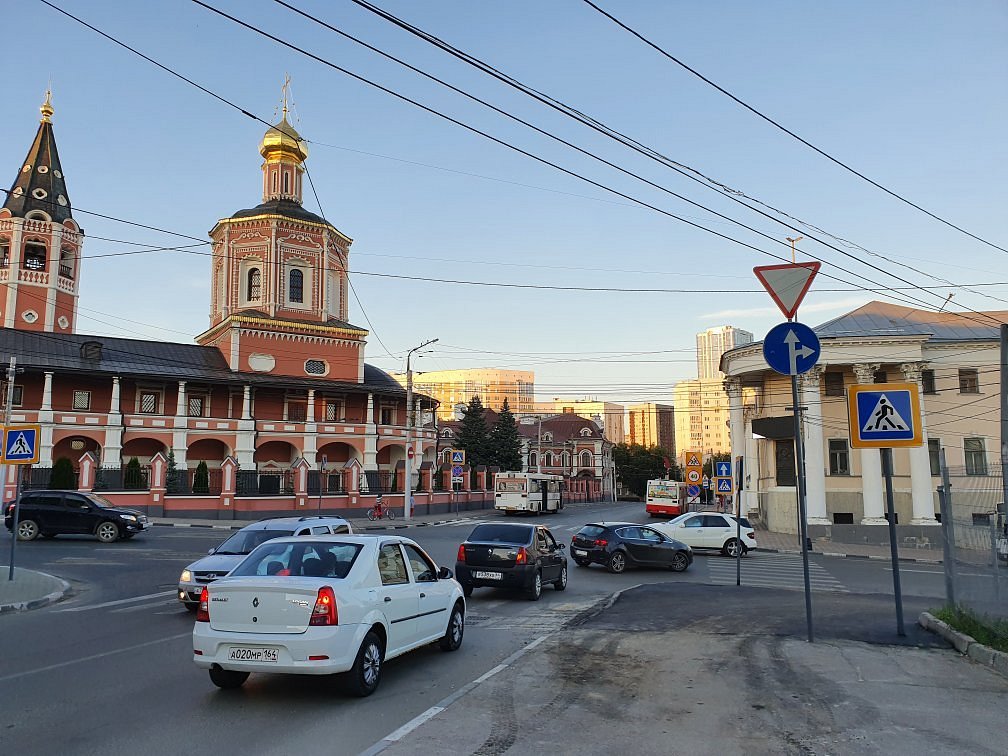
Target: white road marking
[(119, 601)]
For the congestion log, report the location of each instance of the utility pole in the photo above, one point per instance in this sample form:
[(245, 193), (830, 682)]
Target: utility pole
[(408, 501), (793, 242), (12, 371), (539, 447), (1004, 426)]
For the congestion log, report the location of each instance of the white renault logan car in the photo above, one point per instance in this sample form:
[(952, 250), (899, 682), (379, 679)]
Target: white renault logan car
[(323, 605), (711, 530)]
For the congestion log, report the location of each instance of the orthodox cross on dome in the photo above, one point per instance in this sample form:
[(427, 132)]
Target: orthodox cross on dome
[(47, 109), (284, 93)]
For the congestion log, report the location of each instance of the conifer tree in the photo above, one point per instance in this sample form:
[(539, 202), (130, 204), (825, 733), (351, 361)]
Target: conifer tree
[(473, 435), (505, 443)]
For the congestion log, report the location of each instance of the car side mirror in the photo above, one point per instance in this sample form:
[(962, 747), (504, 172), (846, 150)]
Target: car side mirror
[(444, 574)]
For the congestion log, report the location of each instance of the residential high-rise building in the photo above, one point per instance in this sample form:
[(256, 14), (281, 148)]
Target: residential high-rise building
[(714, 342), (701, 416), (652, 424), (492, 386)]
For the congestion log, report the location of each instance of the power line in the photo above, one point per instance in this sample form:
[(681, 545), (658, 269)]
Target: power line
[(786, 130)]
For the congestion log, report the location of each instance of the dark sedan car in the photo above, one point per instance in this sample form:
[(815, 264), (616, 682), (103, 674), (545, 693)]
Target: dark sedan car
[(50, 513), (506, 555), (619, 544)]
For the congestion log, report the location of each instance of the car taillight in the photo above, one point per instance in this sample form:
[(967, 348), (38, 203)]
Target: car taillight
[(522, 556), (203, 613), (461, 553), (600, 543), (325, 612)]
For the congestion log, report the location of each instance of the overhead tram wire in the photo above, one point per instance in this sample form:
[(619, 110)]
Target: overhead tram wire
[(221, 99), (687, 171), (539, 159), (787, 131)]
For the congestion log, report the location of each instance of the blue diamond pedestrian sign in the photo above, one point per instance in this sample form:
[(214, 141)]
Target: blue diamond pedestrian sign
[(21, 444), (458, 457), (884, 415), (724, 485), (723, 469)]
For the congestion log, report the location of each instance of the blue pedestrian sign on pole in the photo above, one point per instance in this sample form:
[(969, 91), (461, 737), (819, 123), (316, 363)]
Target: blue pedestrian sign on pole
[(723, 469), (21, 444), (791, 348), (724, 485), (884, 415)]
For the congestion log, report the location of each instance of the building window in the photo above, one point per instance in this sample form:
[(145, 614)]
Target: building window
[(35, 256), (316, 367), (548, 459), (334, 410), (387, 416), (197, 405), (18, 394), (4, 254), (82, 400), (296, 286), (274, 182), (969, 381), (149, 402), (934, 456), (586, 459), (296, 412), (254, 290), (881, 376), (785, 462), (286, 182), (976, 456), (839, 457), (834, 384), (533, 460), (928, 381)]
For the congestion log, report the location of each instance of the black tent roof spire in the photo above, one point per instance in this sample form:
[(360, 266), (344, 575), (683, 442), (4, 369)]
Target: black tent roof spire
[(40, 184)]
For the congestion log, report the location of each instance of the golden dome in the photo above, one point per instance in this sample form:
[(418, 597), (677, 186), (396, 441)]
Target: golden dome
[(283, 140)]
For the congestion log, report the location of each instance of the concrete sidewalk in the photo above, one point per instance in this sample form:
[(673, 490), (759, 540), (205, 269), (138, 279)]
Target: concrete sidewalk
[(789, 543), (29, 589)]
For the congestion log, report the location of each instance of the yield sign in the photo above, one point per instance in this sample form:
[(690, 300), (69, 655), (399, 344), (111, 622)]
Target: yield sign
[(787, 284)]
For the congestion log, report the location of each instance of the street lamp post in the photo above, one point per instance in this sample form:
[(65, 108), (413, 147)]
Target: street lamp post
[(408, 501)]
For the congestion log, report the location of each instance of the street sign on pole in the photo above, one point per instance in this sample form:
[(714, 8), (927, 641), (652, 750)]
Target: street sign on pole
[(694, 475), (723, 469), (21, 444), (884, 415), (791, 348), (456, 473), (724, 486), (787, 284), (458, 456), (706, 482)]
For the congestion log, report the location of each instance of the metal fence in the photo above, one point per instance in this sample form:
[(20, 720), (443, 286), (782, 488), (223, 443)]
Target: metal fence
[(122, 479), (976, 540), (264, 483), (36, 478), (378, 481), (331, 483), (193, 482)]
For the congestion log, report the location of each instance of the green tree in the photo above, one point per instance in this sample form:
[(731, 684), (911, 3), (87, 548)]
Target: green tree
[(473, 435), (133, 479), (172, 476), (505, 443), (201, 479), (62, 477), (636, 465)]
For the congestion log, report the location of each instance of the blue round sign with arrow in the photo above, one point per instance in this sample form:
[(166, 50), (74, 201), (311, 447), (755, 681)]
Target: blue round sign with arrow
[(791, 348)]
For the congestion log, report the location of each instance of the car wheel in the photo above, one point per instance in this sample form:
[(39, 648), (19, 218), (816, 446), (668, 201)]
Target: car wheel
[(732, 547), (680, 562), (467, 589), (535, 589), (456, 628), (28, 530), (581, 563), (227, 679), (561, 583), (617, 562), (367, 669), (107, 532)]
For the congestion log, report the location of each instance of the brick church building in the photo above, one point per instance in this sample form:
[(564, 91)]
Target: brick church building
[(273, 391)]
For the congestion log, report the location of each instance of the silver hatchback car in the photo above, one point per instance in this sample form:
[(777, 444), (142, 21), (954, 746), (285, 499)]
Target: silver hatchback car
[(221, 560)]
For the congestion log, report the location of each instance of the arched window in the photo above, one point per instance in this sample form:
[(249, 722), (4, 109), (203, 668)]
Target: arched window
[(286, 183), (548, 459), (35, 256), (586, 459), (566, 459), (547, 436), (533, 460), (296, 286), (274, 181), (254, 285), (585, 432)]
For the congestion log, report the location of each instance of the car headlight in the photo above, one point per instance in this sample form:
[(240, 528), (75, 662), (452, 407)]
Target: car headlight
[(186, 577), (130, 518)]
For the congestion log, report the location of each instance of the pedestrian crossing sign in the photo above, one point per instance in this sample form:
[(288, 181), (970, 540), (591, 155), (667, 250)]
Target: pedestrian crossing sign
[(884, 415), (724, 485), (458, 456), (21, 444), (692, 459)]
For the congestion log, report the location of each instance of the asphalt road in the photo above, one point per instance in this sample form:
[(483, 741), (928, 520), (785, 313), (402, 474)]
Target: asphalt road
[(109, 670)]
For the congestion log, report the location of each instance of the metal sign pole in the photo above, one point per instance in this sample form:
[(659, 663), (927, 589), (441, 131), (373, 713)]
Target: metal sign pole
[(802, 519), (14, 524), (948, 528), (887, 473)]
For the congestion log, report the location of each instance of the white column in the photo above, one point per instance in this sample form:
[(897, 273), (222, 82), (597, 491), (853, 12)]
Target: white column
[(310, 417), (871, 464), (370, 436), (47, 392), (736, 422), (114, 407), (921, 487), (812, 432), (750, 471), (111, 453), (245, 437), (247, 403)]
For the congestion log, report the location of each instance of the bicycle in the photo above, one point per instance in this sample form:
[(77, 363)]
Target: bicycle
[(378, 512)]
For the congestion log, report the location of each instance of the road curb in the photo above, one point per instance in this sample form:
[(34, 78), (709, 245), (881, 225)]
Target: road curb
[(51, 598), (197, 525), (966, 645), (841, 555)]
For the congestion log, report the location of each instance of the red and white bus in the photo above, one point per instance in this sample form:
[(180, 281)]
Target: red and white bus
[(665, 498)]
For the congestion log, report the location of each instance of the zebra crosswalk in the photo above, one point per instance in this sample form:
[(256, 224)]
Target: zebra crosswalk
[(773, 571)]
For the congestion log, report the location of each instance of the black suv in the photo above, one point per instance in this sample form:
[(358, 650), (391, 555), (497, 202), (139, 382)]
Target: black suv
[(618, 544), (506, 555), (50, 513)]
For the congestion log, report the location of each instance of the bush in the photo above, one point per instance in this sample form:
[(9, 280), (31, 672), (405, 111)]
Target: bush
[(201, 479), (62, 477), (133, 479)]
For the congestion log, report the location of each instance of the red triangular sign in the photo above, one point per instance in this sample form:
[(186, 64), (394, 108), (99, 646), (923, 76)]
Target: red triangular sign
[(787, 284)]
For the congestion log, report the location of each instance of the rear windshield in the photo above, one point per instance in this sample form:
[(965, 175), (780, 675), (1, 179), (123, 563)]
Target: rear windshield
[(244, 541), (302, 559), (591, 531), (502, 533)]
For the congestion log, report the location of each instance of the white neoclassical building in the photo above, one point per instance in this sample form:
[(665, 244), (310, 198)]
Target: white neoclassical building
[(954, 359)]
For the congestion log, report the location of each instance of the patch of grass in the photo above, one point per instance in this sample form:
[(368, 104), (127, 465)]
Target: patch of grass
[(990, 632)]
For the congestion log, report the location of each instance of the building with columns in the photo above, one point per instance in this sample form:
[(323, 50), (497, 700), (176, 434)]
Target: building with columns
[(279, 376), (954, 359)]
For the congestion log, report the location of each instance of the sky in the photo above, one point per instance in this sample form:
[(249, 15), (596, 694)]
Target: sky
[(911, 94)]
